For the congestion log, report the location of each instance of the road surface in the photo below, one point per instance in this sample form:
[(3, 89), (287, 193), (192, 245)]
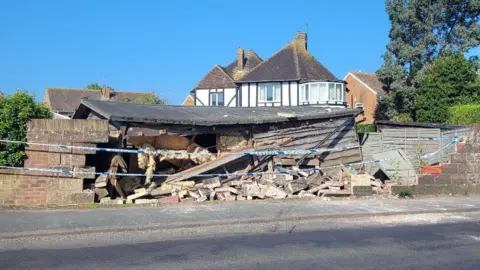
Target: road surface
[(421, 241)]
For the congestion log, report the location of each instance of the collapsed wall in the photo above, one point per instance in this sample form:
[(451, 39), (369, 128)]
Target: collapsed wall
[(22, 187)]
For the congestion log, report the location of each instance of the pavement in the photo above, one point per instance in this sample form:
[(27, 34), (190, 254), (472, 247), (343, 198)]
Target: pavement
[(411, 241), (57, 222)]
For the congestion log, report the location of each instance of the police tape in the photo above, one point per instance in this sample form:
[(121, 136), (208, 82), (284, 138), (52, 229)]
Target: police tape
[(282, 170), (177, 153), (170, 152)]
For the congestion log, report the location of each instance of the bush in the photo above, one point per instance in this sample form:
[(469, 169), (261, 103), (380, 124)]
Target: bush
[(465, 114), (366, 128), (15, 111), (402, 117), (405, 193)]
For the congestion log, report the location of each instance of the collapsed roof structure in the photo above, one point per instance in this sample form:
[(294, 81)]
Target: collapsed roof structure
[(221, 136)]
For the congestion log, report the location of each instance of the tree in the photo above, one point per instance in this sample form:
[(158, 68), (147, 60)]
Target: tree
[(422, 30), (96, 86), (145, 99), (15, 111), (448, 81)]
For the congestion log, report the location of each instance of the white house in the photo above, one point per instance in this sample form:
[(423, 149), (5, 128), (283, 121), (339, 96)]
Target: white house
[(290, 77)]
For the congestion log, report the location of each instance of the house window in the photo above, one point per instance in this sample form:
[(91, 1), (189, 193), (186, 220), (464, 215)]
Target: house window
[(269, 92), (322, 92), (359, 106), (216, 99), (336, 92)]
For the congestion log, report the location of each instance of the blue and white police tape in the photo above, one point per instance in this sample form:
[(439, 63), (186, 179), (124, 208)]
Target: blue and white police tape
[(163, 152), (282, 171)]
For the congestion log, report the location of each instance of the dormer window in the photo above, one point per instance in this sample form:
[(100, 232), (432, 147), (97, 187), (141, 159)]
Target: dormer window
[(269, 92)]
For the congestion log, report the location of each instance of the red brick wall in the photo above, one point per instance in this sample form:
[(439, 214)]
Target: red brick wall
[(38, 188), (461, 175), (358, 93)]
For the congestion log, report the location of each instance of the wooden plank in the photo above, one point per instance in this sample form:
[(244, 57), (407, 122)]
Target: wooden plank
[(202, 168), (293, 162)]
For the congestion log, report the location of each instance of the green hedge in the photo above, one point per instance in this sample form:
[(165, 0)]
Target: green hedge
[(465, 114), (365, 128)]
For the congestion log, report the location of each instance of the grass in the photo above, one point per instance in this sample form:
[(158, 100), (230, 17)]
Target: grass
[(404, 194)]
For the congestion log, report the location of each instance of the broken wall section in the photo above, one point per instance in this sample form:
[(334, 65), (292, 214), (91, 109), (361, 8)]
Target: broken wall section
[(38, 188)]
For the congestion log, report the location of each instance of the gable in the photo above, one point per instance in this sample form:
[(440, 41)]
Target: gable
[(216, 78), (369, 80)]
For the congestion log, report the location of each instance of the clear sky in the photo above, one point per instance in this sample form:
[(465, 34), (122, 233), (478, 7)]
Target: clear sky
[(168, 46)]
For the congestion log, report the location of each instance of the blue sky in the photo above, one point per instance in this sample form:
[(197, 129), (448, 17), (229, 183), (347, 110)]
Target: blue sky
[(168, 46)]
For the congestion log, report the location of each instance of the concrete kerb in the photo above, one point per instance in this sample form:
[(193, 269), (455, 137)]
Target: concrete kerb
[(188, 225)]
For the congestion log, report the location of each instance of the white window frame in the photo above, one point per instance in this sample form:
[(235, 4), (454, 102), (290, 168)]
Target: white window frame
[(334, 97), (359, 106), (216, 95), (263, 92), (305, 93)]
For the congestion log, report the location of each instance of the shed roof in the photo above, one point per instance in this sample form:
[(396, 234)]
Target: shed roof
[(203, 115), (394, 124)]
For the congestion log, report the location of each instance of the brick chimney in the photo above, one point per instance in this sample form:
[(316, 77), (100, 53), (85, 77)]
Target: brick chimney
[(301, 38), (240, 56), (106, 92)]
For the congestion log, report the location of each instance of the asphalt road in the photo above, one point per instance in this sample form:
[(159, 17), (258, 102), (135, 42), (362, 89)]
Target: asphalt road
[(408, 242)]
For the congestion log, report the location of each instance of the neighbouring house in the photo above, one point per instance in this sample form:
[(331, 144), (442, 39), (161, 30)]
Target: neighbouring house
[(64, 101), (189, 101), (363, 89), (290, 77)]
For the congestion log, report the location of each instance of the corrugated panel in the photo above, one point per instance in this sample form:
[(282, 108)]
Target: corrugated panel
[(396, 166)]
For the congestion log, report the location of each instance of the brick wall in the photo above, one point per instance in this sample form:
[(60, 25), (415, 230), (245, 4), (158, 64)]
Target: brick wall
[(38, 188), (461, 175), (358, 93)]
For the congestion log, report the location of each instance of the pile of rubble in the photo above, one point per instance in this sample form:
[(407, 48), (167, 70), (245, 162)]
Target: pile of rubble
[(266, 186)]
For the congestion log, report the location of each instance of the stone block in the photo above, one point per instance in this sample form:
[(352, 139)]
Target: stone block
[(458, 158), (436, 189), (169, 199), (212, 183), (275, 192), (72, 160), (365, 190), (426, 179), (361, 180), (443, 179), (84, 173), (109, 201), (227, 189), (146, 201), (73, 185)]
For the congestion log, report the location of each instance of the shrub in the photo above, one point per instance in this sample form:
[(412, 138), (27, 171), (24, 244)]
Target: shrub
[(405, 193), (465, 114), (15, 112), (365, 128)]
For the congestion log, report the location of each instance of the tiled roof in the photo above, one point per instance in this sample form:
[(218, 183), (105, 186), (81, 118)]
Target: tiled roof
[(217, 77), (250, 61), (291, 63), (371, 80), (68, 99)]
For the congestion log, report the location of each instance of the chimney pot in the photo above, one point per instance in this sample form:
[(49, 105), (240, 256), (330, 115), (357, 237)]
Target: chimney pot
[(240, 57), (301, 38)]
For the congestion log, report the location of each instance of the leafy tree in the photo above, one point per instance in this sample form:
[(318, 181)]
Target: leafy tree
[(449, 80), (145, 99), (15, 111), (96, 86), (422, 30)]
